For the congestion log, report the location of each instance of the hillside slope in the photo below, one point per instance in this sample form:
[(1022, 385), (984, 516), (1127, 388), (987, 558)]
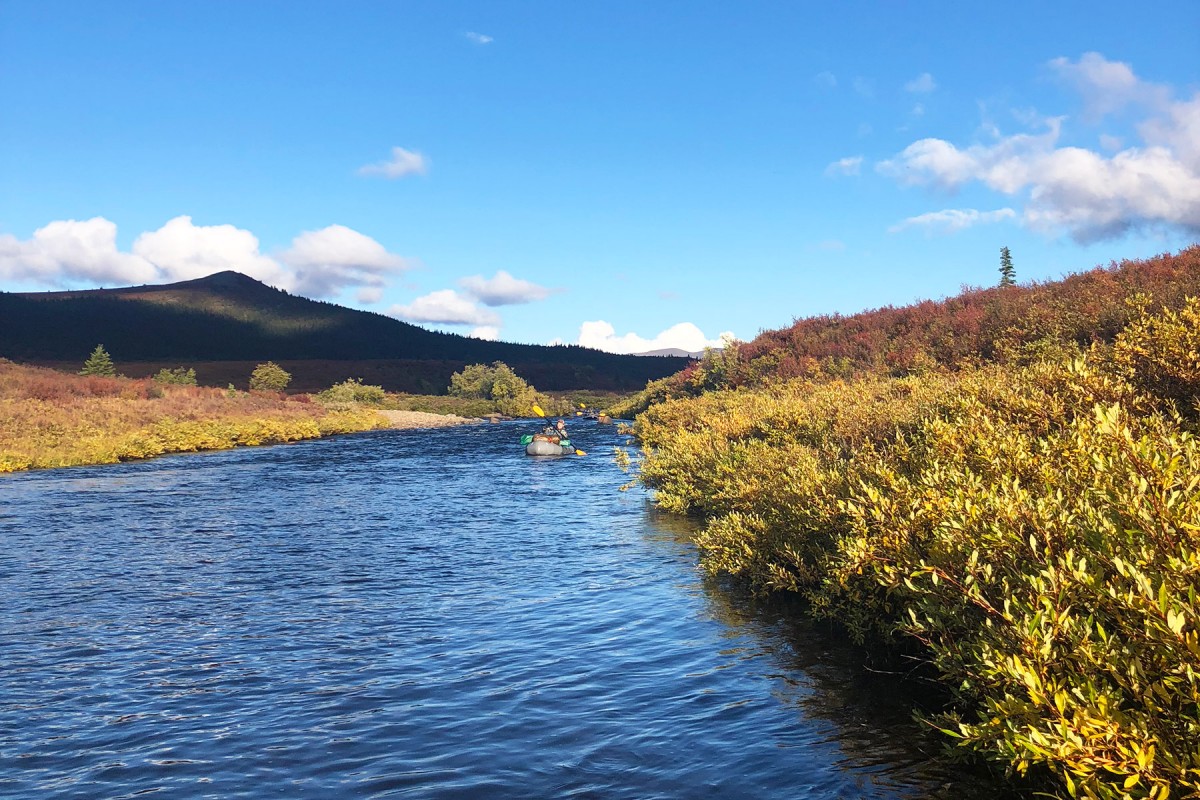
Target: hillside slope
[(228, 317), (978, 325)]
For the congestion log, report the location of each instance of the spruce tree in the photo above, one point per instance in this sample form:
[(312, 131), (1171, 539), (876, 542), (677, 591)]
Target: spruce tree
[(99, 363), (1008, 275)]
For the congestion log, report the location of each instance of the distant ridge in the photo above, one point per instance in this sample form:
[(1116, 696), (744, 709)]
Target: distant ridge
[(673, 351), (230, 317)]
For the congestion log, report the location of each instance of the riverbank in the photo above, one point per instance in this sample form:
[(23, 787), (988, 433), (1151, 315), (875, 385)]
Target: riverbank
[(1030, 531), (423, 419), (54, 419)]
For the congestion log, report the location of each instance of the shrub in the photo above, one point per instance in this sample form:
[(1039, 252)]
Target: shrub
[(1033, 530), (352, 390), (510, 394), (269, 377)]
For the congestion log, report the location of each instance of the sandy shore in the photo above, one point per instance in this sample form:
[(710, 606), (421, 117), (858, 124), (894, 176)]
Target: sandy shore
[(422, 419)]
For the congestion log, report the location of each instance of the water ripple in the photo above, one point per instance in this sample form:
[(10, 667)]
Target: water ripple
[(408, 614)]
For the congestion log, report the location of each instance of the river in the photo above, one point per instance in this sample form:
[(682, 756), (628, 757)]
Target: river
[(425, 614)]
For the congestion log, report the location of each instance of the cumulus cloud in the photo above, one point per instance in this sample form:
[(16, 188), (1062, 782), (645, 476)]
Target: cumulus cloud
[(317, 264), (1108, 86), (403, 162), (478, 38), (446, 307), (503, 289), (488, 332), (922, 84), (336, 257), (953, 219), (1067, 188), (600, 335), (182, 250), (826, 80), (68, 251), (850, 165)]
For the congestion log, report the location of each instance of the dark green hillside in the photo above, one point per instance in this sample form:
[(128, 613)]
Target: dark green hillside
[(230, 317)]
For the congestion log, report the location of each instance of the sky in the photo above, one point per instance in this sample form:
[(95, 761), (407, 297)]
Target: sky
[(628, 175)]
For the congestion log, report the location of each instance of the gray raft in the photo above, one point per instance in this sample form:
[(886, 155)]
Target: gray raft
[(538, 448)]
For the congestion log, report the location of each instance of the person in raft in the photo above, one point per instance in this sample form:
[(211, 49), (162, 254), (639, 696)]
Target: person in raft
[(557, 430)]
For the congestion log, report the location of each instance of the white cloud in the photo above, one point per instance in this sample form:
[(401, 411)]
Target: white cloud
[(182, 250), (864, 86), (478, 38), (1108, 86), (446, 307), (850, 165), (336, 257), (832, 245), (1005, 165), (318, 263), (922, 84), (826, 80), (403, 162), (503, 290), (1178, 130), (601, 335), (951, 220), (1091, 196), (489, 332), (67, 251)]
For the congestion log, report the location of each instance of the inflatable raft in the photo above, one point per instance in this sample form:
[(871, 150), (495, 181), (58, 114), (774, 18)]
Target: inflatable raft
[(542, 445)]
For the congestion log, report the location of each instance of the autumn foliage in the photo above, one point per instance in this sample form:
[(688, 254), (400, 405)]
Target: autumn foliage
[(1016, 501), (53, 419)]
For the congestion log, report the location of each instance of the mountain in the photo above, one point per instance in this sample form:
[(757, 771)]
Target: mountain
[(678, 352), (229, 317)]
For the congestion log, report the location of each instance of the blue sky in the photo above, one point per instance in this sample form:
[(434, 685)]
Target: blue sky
[(622, 174)]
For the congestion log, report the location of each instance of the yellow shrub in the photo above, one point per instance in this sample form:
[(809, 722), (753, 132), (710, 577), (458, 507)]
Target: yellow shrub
[(1035, 529)]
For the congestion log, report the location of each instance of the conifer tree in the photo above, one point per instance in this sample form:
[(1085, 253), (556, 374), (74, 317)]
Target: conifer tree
[(99, 363), (1008, 275)]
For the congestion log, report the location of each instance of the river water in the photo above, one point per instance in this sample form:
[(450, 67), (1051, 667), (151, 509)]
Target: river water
[(425, 614)]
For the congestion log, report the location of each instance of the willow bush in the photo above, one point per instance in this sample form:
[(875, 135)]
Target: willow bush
[(1034, 530), (52, 419)]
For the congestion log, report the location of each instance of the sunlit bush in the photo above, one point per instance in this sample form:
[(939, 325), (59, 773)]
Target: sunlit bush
[(1034, 529), (53, 419), (352, 390)]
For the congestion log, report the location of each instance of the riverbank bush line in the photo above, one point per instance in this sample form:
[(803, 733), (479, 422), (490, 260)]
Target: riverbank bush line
[(1033, 528), (53, 419)]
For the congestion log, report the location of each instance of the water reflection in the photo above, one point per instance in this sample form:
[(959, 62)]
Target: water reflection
[(870, 712)]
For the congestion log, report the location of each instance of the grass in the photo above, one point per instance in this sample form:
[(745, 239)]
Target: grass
[(56, 419)]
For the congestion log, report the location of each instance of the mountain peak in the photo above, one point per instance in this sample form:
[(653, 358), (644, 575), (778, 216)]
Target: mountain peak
[(228, 279)]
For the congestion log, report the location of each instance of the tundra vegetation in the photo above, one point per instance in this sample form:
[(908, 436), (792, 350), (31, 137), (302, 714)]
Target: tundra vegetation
[(1004, 486), (55, 419)]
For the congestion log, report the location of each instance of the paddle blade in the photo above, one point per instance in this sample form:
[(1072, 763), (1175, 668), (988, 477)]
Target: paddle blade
[(538, 410), (579, 452)]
